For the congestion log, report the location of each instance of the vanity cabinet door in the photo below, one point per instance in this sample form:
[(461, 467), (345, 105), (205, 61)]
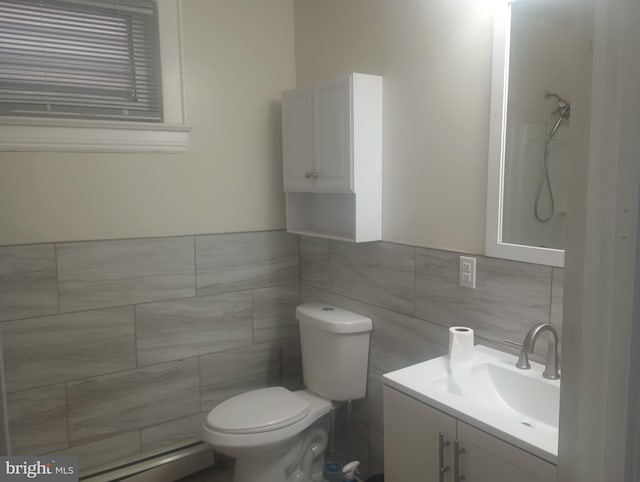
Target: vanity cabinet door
[(488, 459), (411, 440)]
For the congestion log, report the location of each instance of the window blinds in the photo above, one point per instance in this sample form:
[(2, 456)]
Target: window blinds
[(89, 59)]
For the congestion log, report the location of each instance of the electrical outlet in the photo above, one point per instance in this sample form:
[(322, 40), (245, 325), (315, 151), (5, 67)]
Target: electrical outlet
[(468, 272)]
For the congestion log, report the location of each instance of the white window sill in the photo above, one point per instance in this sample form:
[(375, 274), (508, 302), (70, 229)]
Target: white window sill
[(61, 135)]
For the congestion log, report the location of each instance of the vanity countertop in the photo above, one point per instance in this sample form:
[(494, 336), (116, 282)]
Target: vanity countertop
[(490, 393)]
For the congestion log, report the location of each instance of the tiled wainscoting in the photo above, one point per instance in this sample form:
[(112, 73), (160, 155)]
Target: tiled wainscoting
[(116, 348), (413, 296)]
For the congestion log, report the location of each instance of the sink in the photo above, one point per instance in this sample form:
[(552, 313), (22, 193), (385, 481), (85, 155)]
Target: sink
[(508, 392), (490, 393)]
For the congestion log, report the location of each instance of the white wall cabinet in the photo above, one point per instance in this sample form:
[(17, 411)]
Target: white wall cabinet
[(419, 441), (332, 158)]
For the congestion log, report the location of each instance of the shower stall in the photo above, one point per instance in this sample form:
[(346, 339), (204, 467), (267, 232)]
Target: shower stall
[(538, 128)]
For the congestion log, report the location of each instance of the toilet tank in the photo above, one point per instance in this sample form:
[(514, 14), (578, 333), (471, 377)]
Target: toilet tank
[(335, 350)]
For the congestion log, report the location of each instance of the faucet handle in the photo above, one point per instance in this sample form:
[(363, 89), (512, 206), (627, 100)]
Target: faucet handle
[(523, 359)]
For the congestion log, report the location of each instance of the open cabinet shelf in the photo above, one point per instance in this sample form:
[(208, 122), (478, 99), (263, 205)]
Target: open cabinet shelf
[(326, 215)]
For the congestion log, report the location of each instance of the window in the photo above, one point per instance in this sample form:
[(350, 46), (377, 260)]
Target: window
[(82, 59), (145, 110)]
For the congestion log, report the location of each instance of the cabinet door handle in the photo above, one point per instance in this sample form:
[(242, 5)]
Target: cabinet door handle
[(442, 443), (457, 452), (316, 174), (308, 174)]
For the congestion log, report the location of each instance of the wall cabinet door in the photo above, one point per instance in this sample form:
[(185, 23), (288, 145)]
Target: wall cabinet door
[(411, 440), (489, 459), (333, 135), (297, 140)]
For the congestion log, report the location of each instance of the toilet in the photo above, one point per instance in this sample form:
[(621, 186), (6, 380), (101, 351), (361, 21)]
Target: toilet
[(277, 435)]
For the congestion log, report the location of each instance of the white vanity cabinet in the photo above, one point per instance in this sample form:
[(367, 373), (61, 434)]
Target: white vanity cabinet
[(411, 439), (419, 441), (332, 158)]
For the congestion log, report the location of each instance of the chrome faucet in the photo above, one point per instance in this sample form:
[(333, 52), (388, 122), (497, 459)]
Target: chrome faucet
[(551, 370)]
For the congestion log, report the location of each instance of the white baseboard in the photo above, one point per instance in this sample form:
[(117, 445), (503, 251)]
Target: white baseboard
[(175, 470), (167, 467)]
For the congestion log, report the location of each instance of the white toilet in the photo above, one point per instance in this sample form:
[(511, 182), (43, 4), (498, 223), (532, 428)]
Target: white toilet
[(272, 432)]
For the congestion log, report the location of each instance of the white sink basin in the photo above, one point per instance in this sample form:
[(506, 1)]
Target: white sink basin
[(519, 406)]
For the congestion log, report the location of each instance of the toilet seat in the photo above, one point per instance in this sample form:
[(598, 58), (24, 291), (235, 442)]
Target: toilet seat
[(258, 411), (229, 443)]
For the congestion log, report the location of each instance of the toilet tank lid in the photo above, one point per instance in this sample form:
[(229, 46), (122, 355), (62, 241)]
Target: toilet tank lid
[(332, 319)]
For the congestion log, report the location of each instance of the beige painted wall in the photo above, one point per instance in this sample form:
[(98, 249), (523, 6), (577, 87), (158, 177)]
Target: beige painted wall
[(238, 58), (435, 57)]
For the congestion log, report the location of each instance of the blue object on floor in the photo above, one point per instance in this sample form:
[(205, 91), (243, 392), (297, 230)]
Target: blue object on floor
[(376, 478), (332, 472)]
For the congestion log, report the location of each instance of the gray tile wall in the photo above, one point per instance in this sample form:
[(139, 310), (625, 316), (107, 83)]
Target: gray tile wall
[(59, 348), (236, 262), (117, 348), (28, 281), (113, 273), (413, 297)]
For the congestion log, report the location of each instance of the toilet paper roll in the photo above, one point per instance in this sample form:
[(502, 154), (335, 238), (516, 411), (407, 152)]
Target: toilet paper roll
[(460, 344)]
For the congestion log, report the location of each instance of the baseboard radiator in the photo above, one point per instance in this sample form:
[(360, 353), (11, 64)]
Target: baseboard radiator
[(168, 465)]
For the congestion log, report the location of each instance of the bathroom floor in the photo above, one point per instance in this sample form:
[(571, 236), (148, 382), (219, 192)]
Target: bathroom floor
[(212, 474)]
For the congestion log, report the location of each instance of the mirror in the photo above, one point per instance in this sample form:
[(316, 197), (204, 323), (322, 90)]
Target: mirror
[(529, 132)]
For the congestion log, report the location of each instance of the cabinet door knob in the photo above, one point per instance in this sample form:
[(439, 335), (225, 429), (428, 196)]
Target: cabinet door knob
[(457, 452), (308, 174), (442, 443), (316, 174)]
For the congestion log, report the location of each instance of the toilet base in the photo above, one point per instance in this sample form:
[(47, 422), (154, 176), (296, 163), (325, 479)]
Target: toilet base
[(252, 471), (300, 460)]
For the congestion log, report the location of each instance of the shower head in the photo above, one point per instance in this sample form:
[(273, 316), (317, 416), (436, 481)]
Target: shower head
[(561, 102)]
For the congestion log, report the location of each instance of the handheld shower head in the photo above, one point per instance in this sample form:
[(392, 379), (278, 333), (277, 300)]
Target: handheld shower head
[(564, 114), (563, 111)]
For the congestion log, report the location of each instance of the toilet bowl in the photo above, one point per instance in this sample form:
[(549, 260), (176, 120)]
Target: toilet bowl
[(277, 435), (272, 433)]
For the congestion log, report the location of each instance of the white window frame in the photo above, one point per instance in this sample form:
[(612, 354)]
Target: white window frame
[(36, 134)]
